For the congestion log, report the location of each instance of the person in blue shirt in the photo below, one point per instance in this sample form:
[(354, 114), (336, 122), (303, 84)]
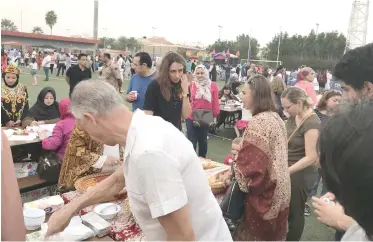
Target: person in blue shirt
[(142, 64), (189, 66)]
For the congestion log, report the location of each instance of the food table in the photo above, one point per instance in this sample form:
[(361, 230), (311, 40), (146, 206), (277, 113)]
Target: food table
[(124, 226), (230, 113)]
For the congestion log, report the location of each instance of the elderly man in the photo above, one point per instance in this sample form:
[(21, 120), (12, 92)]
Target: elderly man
[(167, 187)]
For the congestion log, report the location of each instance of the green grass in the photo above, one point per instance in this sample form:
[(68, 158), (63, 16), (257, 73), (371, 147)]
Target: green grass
[(218, 146)]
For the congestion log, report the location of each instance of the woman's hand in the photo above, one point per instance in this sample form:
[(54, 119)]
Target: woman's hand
[(41, 122), (34, 123), (18, 122), (10, 124), (184, 84), (112, 161)]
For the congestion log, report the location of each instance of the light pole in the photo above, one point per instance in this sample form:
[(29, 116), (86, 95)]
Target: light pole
[(220, 27), (105, 29), (278, 47), (154, 28), (317, 28)]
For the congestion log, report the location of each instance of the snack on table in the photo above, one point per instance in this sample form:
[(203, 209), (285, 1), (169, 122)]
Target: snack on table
[(208, 164), (82, 184), (220, 181), (48, 204)]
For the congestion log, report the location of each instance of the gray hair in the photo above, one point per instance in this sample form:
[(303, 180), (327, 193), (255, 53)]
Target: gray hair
[(96, 97)]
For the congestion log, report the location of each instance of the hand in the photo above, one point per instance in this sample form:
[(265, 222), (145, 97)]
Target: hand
[(331, 214), (10, 124), (112, 161), (184, 84), (18, 122), (131, 97), (34, 123), (329, 196), (41, 122), (58, 221)]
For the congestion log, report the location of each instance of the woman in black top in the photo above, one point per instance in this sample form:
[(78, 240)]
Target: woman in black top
[(168, 96)]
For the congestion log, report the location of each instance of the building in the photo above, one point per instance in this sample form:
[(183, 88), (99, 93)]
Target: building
[(159, 46), (43, 41)]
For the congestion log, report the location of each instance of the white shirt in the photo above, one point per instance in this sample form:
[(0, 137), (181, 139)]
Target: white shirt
[(163, 174), (34, 66), (120, 63), (355, 233), (46, 61)]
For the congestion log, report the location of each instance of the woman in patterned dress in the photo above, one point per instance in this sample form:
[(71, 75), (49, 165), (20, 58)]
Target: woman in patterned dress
[(14, 98), (83, 156), (261, 167)]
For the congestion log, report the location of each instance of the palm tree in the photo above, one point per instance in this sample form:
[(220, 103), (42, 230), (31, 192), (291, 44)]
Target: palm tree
[(7, 24), (51, 19), (37, 30), (133, 44)]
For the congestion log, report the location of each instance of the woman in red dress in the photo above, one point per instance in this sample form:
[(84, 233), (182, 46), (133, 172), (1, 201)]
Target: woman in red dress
[(261, 168)]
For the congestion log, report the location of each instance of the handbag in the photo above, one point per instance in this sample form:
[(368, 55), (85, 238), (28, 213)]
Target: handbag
[(232, 205), (49, 167), (203, 117)]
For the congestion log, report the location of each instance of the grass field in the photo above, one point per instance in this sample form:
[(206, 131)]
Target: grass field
[(219, 146)]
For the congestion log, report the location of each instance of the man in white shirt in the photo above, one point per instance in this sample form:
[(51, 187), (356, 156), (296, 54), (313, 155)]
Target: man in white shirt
[(46, 65), (167, 188)]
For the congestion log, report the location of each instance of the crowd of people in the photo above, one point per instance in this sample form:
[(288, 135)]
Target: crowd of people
[(288, 138)]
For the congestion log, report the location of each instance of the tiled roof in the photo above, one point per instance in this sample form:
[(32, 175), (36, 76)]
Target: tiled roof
[(155, 41), (49, 37)]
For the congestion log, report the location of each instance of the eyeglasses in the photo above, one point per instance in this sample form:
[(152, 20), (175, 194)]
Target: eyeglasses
[(288, 107)]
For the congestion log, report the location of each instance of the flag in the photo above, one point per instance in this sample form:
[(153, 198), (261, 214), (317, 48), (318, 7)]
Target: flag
[(238, 53), (227, 53), (213, 52)]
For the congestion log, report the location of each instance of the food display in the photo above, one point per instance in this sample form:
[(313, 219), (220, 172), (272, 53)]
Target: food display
[(88, 182), (209, 164)]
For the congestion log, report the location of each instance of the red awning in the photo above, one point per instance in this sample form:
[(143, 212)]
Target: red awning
[(12, 43)]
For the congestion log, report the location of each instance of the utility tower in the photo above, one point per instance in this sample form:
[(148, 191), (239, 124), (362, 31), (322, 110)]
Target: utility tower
[(358, 26)]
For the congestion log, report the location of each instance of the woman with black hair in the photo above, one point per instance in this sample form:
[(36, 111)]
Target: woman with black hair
[(45, 110), (14, 98)]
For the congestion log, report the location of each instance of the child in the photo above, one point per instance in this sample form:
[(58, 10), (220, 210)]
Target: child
[(34, 68), (241, 125), (236, 146)]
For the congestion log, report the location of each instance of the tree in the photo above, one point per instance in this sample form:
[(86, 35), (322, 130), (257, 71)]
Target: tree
[(121, 43), (133, 44), (318, 51), (241, 44), (51, 19), (105, 42), (37, 30), (7, 24)]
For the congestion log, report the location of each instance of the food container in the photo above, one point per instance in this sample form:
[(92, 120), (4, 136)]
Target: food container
[(48, 204), (99, 225), (107, 211), (34, 218)]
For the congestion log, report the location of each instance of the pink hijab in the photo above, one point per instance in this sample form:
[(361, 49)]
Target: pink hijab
[(64, 108)]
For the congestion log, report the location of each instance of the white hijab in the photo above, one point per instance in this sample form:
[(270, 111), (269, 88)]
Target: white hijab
[(203, 87)]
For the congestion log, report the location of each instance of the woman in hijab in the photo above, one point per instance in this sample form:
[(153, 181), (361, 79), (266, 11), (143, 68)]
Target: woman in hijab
[(14, 98), (62, 131), (45, 110), (204, 95)]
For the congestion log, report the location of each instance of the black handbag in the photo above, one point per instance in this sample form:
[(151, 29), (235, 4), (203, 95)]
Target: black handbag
[(232, 205), (49, 167), (203, 117)]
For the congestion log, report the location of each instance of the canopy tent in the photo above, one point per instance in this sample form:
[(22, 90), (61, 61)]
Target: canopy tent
[(219, 56), (233, 56), (193, 57)]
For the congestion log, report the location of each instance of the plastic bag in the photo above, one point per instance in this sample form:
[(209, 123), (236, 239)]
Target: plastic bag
[(49, 167)]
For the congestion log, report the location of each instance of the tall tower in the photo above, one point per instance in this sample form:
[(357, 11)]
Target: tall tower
[(358, 26), (95, 20)]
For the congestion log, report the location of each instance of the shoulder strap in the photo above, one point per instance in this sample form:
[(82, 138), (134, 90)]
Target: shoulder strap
[(297, 128)]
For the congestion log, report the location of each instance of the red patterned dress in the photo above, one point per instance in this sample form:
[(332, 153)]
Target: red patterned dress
[(261, 170)]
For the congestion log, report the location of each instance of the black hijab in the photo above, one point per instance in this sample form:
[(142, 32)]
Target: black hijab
[(10, 86), (40, 111)]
